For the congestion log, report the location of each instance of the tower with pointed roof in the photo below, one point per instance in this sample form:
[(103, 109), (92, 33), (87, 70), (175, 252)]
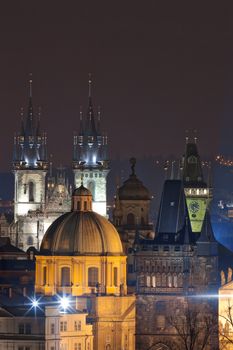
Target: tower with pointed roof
[(30, 168), (90, 158), (197, 192)]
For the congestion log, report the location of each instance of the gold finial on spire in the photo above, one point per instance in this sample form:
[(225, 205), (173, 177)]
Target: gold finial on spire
[(30, 85), (89, 85)]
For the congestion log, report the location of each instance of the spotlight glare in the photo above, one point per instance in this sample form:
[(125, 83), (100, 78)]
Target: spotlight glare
[(35, 303), (64, 303)]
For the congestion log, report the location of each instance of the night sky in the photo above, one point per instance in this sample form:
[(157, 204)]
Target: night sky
[(159, 68)]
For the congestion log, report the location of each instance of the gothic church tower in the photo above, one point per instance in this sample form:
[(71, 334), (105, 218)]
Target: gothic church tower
[(29, 166), (90, 160)]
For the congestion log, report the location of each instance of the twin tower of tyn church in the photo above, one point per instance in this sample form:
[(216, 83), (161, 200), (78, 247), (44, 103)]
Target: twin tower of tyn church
[(40, 197)]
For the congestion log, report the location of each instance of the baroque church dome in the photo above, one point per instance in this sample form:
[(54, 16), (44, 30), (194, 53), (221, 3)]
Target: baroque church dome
[(133, 188), (81, 231)]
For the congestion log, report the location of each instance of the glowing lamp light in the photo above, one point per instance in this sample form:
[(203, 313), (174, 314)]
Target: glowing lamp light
[(35, 303), (64, 303)]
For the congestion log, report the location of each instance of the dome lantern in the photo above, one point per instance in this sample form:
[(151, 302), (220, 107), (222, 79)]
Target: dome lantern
[(81, 199)]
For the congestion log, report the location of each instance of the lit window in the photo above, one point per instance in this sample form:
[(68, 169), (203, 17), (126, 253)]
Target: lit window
[(44, 275), (92, 276), (21, 328), (52, 328), (115, 276), (153, 282), (65, 276), (148, 284)]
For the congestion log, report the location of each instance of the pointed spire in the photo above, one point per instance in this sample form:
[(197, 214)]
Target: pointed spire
[(82, 179), (172, 170), (133, 163), (30, 85), (22, 122), (89, 89), (81, 130), (29, 123), (50, 165), (207, 234), (38, 122), (98, 121)]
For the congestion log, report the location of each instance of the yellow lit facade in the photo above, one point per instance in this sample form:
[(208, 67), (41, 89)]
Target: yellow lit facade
[(81, 256), (226, 312), (78, 275)]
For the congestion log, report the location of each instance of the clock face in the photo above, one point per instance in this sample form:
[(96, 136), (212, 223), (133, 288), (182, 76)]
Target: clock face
[(194, 206)]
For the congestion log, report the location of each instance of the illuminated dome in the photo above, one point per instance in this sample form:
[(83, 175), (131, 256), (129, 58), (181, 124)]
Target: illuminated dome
[(81, 231), (133, 188)]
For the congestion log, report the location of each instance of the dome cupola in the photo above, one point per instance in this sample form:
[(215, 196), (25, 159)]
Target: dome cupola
[(81, 231), (133, 188)]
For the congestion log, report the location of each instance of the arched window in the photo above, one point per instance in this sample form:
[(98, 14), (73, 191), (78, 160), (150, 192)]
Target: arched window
[(148, 281), (65, 276), (31, 191), (169, 280), (164, 280), (158, 279), (30, 240), (115, 276), (130, 219), (175, 282), (91, 187), (92, 276), (180, 280), (44, 275), (153, 281), (142, 221), (108, 347)]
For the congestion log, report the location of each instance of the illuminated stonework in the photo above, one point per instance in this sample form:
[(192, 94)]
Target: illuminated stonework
[(198, 194), (90, 159), (81, 257)]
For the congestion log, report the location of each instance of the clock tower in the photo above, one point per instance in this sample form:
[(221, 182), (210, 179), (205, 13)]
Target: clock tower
[(198, 194)]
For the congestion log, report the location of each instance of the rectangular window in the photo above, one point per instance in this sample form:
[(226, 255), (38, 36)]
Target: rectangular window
[(28, 329), (79, 325), (52, 328), (61, 326), (115, 276), (75, 326), (44, 275), (92, 276), (65, 326), (130, 268), (21, 328)]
